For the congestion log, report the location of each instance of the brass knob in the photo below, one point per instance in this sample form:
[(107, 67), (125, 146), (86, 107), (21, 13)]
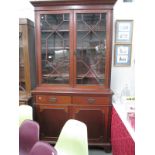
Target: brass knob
[(91, 100), (53, 99)]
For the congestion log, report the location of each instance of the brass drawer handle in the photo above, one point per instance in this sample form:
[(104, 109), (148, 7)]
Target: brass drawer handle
[(91, 100), (53, 99)]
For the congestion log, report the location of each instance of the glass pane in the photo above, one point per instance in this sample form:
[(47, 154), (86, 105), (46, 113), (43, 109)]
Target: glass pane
[(22, 86), (91, 39), (55, 48)]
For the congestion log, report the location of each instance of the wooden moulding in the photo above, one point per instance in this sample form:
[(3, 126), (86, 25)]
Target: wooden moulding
[(71, 2)]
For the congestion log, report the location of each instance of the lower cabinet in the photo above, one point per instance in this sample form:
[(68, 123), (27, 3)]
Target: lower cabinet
[(53, 111)]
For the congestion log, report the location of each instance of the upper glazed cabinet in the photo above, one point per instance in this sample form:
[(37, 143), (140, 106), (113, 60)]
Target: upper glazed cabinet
[(73, 47)]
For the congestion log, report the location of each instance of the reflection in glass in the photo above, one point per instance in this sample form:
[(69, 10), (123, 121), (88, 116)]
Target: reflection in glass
[(55, 48), (91, 40), (22, 85)]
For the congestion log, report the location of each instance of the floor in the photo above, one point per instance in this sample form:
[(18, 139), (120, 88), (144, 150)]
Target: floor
[(98, 152)]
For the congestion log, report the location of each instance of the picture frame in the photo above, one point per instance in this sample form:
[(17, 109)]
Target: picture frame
[(123, 29), (127, 0), (122, 55)]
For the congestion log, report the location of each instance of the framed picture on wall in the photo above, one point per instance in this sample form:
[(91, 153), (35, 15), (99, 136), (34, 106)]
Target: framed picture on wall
[(123, 31), (122, 55)]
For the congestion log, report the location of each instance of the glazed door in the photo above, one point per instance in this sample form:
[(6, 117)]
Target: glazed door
[(90, 48), (56, 46)]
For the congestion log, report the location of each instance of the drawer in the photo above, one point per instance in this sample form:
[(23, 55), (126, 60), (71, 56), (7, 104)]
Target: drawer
[(53, 99), (90, 100)]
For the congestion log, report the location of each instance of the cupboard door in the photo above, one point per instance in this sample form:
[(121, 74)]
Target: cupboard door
[(90, 48), (51, 119), (55, 48), (96, 119)]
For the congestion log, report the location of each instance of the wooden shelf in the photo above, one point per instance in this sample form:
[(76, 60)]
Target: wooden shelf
[(20, 46), (89, 48), (22, 80), (55, 31), (80, 30), (21, 65), (81, 76), (56, 48)]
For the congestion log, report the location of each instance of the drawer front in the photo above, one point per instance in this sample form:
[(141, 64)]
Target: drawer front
[(90, 100), (53, 99)]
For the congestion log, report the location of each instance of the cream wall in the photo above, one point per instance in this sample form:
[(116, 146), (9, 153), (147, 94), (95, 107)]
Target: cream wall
[(120, 76), (25, 9)]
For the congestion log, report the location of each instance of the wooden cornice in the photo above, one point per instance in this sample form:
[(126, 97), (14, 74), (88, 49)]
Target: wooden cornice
[(37, 3)]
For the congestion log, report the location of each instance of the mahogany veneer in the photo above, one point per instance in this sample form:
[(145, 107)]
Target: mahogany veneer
[(73, 48)]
